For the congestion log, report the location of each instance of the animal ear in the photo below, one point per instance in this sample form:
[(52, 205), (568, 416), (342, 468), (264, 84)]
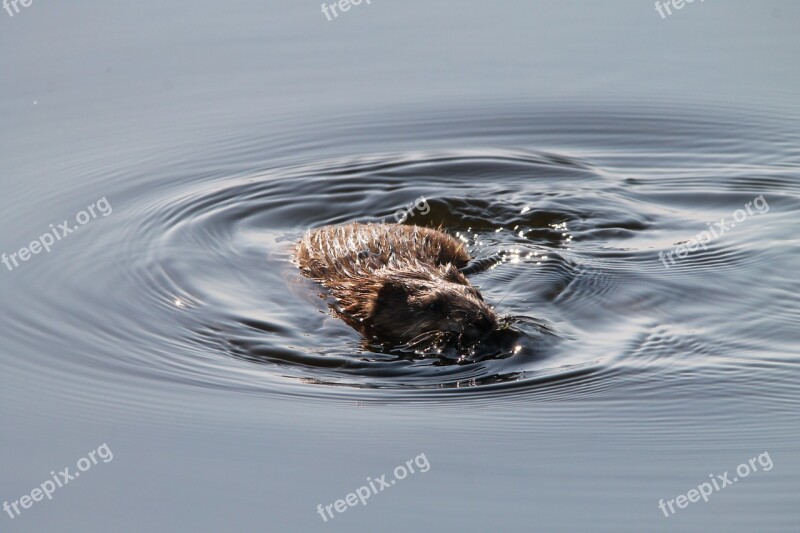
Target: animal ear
[(392, 291)]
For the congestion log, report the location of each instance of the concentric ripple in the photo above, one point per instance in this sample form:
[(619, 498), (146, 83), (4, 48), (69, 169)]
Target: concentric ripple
[(205, 293), (219, 264)]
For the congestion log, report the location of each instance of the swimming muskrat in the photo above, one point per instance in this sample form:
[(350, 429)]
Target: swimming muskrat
[(396, 282)]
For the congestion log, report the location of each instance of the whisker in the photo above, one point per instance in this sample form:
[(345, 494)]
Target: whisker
[(509, 306)]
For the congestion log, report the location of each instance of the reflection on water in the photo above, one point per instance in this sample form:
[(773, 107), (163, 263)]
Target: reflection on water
[(571, 146), (571, 241)]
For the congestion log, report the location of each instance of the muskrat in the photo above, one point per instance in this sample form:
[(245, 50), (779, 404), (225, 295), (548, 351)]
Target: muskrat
[(397, 283)]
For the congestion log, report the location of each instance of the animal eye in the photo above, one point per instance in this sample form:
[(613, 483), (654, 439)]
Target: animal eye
[(435, 306)]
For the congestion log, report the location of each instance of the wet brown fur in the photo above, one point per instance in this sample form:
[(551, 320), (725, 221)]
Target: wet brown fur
[(396, 282)]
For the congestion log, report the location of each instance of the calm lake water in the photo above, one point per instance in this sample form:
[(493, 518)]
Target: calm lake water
[(188, 145)]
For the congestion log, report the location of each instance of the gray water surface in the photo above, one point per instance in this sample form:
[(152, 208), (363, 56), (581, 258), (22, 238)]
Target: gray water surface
[(578, 139)]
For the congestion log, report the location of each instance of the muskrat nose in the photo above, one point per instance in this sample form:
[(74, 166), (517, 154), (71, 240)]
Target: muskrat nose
[(484, 323), (478, 328)]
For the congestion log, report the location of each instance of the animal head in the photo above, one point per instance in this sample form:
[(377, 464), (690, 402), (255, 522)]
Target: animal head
[(409, 303)]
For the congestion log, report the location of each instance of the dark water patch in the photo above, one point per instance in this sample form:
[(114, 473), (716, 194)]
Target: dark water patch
[(570, 236)]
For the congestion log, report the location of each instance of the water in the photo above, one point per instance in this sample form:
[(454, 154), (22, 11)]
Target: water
[(579, 140)]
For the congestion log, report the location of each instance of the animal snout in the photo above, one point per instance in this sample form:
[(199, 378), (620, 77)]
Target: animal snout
[(484, 323), (479, 327)]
